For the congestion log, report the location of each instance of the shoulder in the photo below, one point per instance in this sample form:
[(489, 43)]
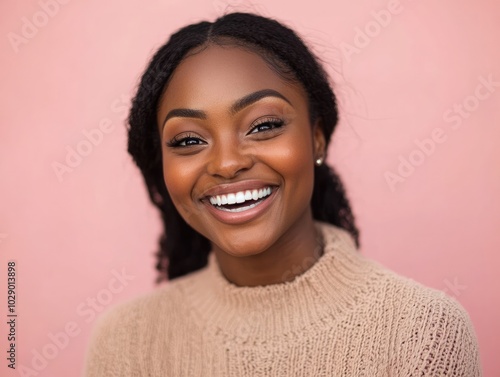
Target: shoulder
[(118, 335), (429, 332), (432, 331), (111, 348)]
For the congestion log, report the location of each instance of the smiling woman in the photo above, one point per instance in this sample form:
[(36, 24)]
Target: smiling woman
[(230, 128), (250, 137)]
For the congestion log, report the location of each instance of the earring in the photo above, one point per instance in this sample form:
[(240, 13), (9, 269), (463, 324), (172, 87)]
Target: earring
[(319, 161)]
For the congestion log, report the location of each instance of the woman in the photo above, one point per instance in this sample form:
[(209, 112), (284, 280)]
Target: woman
[(230, 128)]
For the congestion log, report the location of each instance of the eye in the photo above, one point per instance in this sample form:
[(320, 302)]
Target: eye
[(266, 124), (185, 141)]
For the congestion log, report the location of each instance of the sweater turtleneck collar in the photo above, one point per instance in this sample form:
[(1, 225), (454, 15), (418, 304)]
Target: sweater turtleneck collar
[(330, 287)]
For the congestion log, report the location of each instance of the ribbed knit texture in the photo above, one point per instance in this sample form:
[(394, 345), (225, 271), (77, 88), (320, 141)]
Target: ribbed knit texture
[(344, 316)]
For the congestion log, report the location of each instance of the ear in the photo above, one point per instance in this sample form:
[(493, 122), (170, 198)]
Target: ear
[(319, 143)]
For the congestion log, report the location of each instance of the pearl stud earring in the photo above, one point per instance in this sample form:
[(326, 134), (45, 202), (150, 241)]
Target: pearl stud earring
[(319, 161)]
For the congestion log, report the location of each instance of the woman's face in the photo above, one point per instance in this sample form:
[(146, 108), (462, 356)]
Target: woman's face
[(238, 150)]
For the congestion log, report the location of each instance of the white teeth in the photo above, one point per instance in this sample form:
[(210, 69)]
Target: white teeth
[(231, 199), (239, 209), (255, 194), (240, 197)]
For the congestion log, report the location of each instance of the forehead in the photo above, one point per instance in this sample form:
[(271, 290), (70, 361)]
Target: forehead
[(224, 73)]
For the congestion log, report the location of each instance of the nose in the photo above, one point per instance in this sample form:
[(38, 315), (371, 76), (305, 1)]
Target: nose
[(229, 158)]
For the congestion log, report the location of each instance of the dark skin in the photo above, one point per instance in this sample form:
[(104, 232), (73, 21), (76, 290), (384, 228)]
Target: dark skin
[(228, 123)]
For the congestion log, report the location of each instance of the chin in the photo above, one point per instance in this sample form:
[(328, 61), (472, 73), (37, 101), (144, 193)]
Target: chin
[(244, 248)]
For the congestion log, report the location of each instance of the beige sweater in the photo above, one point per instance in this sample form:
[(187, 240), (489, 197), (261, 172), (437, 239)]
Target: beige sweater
[(344, 316)]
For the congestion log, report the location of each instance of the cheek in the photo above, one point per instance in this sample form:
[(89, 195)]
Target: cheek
[(180, 177), (292, 157)]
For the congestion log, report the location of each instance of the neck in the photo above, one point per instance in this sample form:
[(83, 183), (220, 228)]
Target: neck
[(328, 289), (293, 254)]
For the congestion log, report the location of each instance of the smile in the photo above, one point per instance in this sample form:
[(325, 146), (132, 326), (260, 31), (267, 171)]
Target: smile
[(240, 201), (241, 206)]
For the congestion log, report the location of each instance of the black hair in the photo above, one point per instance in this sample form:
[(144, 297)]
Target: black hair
[(182, 249)]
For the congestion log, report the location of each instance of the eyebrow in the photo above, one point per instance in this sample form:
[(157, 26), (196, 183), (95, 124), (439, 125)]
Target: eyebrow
[(237, 106)]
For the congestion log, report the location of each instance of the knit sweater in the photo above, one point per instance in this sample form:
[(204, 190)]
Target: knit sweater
[(344, 316)]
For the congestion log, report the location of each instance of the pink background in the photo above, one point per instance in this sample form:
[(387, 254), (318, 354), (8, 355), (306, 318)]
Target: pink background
[(77, 69)]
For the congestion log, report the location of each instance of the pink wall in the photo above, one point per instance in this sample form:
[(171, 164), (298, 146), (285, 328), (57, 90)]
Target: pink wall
[(75, 69)]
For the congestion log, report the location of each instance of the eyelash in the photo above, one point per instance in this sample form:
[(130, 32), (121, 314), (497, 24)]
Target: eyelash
[(275, 124), (177, 141)]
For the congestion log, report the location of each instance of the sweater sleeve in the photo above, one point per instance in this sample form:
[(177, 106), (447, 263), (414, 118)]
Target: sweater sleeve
[(111, 344), (444, 341)]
